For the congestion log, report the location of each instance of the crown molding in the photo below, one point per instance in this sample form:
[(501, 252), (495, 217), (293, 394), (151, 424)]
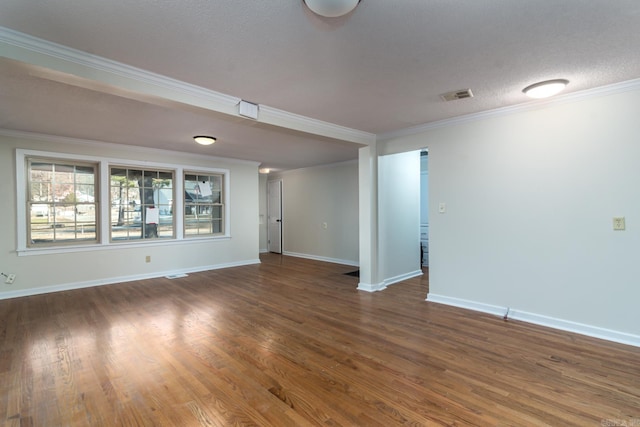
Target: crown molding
[(42, 53), (281, 173), (611, 89), (25, 45), (67, 54), (294, 121)]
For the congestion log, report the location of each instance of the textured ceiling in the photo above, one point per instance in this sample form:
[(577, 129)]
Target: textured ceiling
[(379, 69)]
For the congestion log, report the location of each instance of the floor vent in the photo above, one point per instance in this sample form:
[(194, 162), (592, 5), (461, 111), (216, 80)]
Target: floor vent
[(457, 94), (175, 276)]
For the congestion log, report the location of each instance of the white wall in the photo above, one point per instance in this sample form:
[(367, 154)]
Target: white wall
[(40, 273), (314, 196), (399, 216), (530, 199)]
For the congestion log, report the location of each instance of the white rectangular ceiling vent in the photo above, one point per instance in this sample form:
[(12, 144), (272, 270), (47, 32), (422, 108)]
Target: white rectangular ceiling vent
[(248, 109), (457, 94)]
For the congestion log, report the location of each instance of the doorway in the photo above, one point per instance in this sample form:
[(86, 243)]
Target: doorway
[(274, 216), (424, 207)]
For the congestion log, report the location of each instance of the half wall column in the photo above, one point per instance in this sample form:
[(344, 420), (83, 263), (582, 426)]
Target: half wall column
[(368, 219)]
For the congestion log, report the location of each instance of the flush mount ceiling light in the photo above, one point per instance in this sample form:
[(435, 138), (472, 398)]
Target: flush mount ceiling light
[(204, 140), (545, 89), (331, 8)]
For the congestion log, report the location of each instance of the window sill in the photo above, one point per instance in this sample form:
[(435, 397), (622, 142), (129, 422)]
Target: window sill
[(117, 245)]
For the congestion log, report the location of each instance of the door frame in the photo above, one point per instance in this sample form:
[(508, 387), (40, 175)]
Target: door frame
[(269, 216)]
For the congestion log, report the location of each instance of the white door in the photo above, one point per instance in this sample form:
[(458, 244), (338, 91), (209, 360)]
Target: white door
[(274, 216)]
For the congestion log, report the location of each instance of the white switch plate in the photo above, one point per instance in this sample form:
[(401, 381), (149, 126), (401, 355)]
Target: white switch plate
[(442, 207), (618, 223)]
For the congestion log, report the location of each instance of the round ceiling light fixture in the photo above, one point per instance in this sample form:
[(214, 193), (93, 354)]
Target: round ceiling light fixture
[(331, 8), (204, 140), (545, 89)]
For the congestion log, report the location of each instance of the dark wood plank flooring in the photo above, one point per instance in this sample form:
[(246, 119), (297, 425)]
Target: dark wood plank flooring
[(291, 342)]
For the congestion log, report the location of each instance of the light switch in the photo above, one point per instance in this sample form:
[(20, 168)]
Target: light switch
[(618, 223), (442, 207)]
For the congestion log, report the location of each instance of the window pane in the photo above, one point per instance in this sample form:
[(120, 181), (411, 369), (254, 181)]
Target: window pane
[(196, 225), (118, 176), (167, 176), (216, 183), (84, 174), (165, 230), (64, 170), (41, 233), (84, 193), (147, 196), (41, 191), (40, 170), (39, 211)]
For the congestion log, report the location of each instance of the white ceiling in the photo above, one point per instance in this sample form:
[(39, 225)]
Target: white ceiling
[(377, 70)]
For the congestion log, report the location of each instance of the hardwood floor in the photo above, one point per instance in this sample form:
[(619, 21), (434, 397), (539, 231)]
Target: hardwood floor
[(291, 342)]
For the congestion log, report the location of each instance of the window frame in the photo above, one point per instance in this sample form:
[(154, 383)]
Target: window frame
[(28, 203), (104, 224), (222, 203), (143, 225)]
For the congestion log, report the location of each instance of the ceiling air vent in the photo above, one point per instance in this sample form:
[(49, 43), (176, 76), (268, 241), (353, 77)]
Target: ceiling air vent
[(457, 94)]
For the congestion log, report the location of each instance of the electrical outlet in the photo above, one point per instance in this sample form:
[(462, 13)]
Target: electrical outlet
[(325, 225), (618, 223), (10, 279), (147, 258)]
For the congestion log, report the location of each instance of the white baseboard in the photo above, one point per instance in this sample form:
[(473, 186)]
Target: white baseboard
[(119, 279), (470, 305), (321, 258), (402, 277), (539, 319), (371, 287), (374, 287)]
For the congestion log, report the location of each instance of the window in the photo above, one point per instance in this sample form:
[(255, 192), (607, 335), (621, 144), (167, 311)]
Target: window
[(70, 202), (141, 204), (61, 202), (203, 204)]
